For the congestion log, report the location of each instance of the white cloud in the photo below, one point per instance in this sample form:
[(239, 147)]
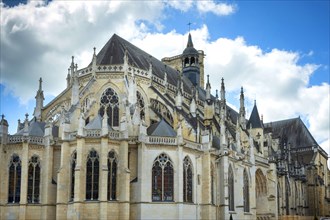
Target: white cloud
[(38, 40), (220, 9)]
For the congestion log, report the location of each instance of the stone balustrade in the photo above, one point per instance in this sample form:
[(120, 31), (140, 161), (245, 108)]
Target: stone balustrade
[(162, 140)]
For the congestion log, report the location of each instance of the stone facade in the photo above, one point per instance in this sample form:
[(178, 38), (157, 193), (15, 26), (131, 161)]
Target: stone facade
[(131, 137)]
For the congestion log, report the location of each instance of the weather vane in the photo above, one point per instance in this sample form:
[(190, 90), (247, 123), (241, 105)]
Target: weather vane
[(189, 24)]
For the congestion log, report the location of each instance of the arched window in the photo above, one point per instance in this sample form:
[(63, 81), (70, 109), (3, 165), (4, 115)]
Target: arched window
[(261, 184), (212, 184), (33, 193), (246, 193), (112, 175), (14, 189), (231, 189), (162, 179), (192, 61), (92, 176), (187, 180), (110, 104), (140, 102), (73, 167)]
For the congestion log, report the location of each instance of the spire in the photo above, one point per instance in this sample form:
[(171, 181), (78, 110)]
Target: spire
[(208, 89), (190, 43), (179, 91), (242, 109), (39, 102), (222, 91), (254, 121), (68, 79), (94, 61)]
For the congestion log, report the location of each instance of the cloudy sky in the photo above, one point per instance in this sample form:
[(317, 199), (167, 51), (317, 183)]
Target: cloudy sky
[(277, 50)]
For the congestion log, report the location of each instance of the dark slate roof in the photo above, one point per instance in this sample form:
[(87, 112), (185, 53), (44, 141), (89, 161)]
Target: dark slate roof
[(113, 53), (292, 131), (254, 118), (36, 128), (161, 129), (190, 50)]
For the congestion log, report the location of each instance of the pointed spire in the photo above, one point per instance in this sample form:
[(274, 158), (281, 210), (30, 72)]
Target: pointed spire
[(242, 109), (222, 91), (254, 121), (208, 88), (68, 79), (26, 125), (72, 66), (216, 94), (94, 61), (190, 43), (39, 102)]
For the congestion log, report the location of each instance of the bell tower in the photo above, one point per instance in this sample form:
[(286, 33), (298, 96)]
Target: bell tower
[(190, 63)]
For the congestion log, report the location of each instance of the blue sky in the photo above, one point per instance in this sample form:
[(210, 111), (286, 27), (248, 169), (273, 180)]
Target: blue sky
[(277, 50)]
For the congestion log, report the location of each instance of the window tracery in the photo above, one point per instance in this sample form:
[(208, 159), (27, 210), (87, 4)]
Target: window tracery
[(33, 193), (112, 175), (162, 110), (231, 189), (109, 103), (14, 189), (92, 176), (246, 193), (162, 179), (187, 180), (140, 102), (73, 167)]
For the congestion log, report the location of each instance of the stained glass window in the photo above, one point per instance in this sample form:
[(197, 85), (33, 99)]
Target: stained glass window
[(33, 192), (187, 180), (231, 189), (246, 194), (14, 191), (110, 104), (92, 176), (112, 175), (162, 179), (73, 166)]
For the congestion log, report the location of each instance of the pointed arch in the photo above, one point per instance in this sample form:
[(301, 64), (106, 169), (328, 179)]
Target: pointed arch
[(162, 178), (92, 176), (231, 189), (112, 175), (109, 103), (187, 180), (246, 191), (261, 184), (33, 192), (73, 163), (14, 183)]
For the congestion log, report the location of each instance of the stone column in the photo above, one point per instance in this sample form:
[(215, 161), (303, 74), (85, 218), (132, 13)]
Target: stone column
[(63, 178), (206, 189), (24, 180), (124, 181), (48, 211), (222, 183), (178, 188), (80, 179), (103, 185)]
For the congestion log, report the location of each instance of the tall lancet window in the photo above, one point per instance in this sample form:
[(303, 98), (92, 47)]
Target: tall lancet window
[(33, 192), (72, 168), (187, 180), (14, 185), (92, 176), (112, 175), (231, 189), (246, 193), (162, 179), (140, 102), (110, 104)]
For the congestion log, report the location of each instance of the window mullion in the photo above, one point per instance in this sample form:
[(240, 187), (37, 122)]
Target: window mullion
[(15, 177), (33, 179), (162, 183), (92, 182)]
